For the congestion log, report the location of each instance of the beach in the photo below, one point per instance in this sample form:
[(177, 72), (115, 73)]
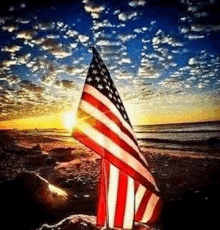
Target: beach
[(189, 181)]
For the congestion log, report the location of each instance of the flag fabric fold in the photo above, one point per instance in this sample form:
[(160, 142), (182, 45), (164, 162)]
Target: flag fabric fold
[(127, 191)]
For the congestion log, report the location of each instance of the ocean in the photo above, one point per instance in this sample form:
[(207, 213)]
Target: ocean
[(194, 137), (198, 137)]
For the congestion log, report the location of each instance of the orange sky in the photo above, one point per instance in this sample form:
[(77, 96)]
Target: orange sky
[(59, 121), (67, 119)]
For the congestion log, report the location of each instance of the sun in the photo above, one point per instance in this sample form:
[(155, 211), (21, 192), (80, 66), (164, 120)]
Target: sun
[(69, 120)]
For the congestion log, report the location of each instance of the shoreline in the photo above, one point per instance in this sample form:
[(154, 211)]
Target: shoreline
[(181, 176)]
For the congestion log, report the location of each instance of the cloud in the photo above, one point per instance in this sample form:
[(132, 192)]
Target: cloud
[(10, 28), (194, 37), (48, 79), (28, 85), (37, 41), (107, 43), (125, 60), (73, 45), (145, 72), (22, 20), (48, 44), (127, 16), (8, 63), (71, 33), (136, 3), (138, 30), (54, 48), (161, 38), (58, 52), (12, 79), (83, 38), (25, 34), (68, 84), (11, 48), (102, 24), (46, 26), (75, 71), (94, 10), (192, 61)]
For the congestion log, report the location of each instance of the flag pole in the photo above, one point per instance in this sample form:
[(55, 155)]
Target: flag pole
[(106, 194)]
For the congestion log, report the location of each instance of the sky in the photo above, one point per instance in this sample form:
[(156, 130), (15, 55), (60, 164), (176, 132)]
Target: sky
[(164, 57)]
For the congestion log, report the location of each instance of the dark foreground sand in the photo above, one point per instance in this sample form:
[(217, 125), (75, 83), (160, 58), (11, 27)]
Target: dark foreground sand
[(189, 182)]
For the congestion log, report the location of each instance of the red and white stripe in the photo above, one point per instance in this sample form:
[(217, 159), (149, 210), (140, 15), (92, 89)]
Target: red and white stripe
[(125, 200), (102, 128)]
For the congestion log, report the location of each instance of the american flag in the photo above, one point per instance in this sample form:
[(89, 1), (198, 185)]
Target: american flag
[(127, 191)]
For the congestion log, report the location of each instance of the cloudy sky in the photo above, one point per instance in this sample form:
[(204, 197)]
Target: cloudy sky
[(163, 57)]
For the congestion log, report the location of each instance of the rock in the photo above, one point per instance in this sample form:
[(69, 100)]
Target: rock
[(6, 139), (40, 160), (29, 200), (193, 210), (44, 193), (62, 154), (76, 222), (37, 147)]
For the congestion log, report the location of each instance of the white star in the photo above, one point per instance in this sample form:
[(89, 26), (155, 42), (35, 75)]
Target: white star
[(118, 105), (114, 98), (125, 116), (92, 66), (119, 100), (104, 70), (100, 86), (89, 79), (116, 92), (110, 95), (122, 108), (104, 80), (97, 79), (94, 71), (97, 60), (107, 87)]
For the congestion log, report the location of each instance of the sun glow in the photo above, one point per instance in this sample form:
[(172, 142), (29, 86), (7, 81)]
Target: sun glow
[(69, 120)]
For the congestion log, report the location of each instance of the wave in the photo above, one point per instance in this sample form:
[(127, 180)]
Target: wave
[(187, 142), (182, 131)]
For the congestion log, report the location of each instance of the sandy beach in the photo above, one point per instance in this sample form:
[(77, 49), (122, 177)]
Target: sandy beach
[(182, 177)]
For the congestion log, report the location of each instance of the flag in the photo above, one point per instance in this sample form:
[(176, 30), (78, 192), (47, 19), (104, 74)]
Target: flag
[(127, 191)]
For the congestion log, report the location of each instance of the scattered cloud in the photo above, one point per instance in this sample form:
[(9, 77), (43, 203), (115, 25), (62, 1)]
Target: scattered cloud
[(161, 38), (93, 9), (10, 28), (46, 25), (125, 60), (25, 34), (11, 48), (68, 84), (83, 38), (127, 16), (136, 3), (192, 61)]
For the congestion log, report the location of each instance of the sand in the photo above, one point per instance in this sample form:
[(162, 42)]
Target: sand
[(179, 175)]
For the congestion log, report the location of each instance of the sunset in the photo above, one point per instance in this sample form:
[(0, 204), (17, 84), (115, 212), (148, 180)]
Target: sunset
[(162, 57), (110, 114)]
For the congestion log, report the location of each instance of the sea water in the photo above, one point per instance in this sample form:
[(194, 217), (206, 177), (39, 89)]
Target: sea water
[(202, 136), (198, 137)]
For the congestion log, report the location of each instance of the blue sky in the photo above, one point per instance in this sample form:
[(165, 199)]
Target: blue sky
[(163, 56)]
